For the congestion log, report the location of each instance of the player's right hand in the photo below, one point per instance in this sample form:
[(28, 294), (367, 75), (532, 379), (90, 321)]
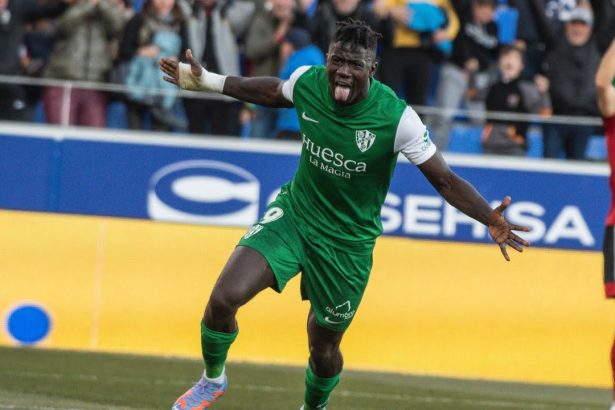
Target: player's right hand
[(170, 67), (195, 66), (191, 76)]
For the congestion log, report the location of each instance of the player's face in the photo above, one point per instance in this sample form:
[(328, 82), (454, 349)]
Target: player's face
[(349, 72)]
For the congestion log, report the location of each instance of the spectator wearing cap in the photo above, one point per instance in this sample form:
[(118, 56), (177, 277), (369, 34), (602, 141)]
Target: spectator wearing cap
[(571, 62), (296, 50)]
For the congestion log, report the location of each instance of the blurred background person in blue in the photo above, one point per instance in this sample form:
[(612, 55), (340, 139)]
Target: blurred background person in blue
[(159, 30), (296, 51), (423, 32), (465, 76), (82, 52), (213, 27), (14, 14)]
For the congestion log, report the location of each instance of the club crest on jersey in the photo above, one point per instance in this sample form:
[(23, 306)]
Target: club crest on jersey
[(365, 140)]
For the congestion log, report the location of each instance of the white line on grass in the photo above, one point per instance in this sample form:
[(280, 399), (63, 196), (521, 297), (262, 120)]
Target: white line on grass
[(415, 398), (276, 389), (32, 407)]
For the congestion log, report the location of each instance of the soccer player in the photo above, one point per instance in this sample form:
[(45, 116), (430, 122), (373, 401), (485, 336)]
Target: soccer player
[(325, 221), (605, 84)]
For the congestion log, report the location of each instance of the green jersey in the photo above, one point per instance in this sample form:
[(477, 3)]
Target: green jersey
[(348, 157)]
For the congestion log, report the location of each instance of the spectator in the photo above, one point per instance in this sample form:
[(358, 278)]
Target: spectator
[(212, 32), (296, 51), (84, 34), (308, 7), (513, 94), (528, 36), (128, 8), (571, 64), (409, 63), (328, 13), (558, 11), (14, 14), (604, 24), (157, 31), (537, 20), (271, 22), (37, 46), (474, 54), (38, 42)]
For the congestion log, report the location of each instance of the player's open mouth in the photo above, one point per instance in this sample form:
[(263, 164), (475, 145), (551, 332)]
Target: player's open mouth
[(341, 92)]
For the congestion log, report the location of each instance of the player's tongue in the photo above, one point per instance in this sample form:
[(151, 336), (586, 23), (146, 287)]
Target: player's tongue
[(341, 93)]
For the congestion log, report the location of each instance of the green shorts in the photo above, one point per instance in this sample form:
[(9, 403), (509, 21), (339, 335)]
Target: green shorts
[(333, 280)]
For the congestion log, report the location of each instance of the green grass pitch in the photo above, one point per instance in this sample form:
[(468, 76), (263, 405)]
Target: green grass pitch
[(36, 379)]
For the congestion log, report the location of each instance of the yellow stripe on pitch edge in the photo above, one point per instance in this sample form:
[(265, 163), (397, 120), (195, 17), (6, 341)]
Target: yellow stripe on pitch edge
[(438, 308)]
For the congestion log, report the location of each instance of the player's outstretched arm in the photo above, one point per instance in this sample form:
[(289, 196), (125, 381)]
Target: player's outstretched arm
[(462, 195), (192, 76), (605, 77)]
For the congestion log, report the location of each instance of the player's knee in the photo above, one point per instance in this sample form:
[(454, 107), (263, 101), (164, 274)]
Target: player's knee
[(221, 302), (326, 354)]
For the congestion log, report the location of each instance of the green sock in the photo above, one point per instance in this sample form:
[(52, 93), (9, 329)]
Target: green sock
[(318, 389), (214, 346)]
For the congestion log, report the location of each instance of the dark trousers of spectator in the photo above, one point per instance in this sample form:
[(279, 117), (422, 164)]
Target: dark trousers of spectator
[(408, 71), (212, 117), (87, 107), (264, 123), (13, 103), (567, 140), (288, 135), (136, 114)]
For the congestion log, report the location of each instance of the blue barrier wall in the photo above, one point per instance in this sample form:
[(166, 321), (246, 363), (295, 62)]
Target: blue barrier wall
[(230, 182)]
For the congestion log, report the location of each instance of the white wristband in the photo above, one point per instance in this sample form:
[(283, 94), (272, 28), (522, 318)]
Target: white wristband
[(206, 82)]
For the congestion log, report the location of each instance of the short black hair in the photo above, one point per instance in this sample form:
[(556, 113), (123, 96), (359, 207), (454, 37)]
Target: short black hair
[(510, 48), (486, 3), (356, 33)]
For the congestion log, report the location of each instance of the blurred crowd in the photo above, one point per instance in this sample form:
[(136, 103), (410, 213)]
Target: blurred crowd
[(515, 56)]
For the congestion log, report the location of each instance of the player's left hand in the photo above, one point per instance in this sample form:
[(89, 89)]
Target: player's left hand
[(502, 232)]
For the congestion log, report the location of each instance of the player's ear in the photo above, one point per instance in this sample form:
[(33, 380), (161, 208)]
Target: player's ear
[(373, 68)]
